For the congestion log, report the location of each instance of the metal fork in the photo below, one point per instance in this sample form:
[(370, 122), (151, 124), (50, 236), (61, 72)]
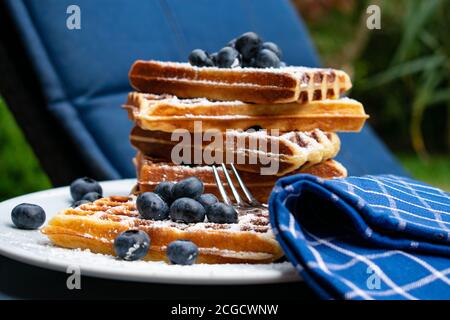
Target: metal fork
[(251, 202)]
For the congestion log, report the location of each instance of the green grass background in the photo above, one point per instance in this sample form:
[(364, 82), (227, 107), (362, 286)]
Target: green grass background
[(435, 171), (20, 171)]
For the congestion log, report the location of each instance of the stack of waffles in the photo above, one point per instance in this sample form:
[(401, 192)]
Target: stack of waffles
[(268, 122), (285, 118)]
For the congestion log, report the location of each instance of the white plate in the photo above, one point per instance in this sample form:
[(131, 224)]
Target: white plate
[(34, 248)]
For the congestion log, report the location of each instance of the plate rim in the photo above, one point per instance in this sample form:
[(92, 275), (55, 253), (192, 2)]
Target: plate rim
[(113, 273)]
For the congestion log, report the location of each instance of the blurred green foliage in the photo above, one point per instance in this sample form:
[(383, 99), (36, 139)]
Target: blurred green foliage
[(401, 72), (435, 171), (20, 171)]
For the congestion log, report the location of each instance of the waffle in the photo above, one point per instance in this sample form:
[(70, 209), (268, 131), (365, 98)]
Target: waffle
[(151, 172), (281, 85), (289, 151), (94, 226), (168, 113)]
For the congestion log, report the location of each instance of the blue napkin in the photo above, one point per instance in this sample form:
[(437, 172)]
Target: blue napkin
[(370, 237)]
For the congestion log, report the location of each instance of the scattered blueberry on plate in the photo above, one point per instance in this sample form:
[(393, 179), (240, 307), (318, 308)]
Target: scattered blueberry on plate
[(164, 190), (82, 186), (221, 213), (188, 188), (151, 206), (246, 51), (183, 252), (187, 210), (28, 216), (91, 196), (132, 245)]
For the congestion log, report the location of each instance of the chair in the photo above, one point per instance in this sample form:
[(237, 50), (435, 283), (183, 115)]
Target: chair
[(65, 87)]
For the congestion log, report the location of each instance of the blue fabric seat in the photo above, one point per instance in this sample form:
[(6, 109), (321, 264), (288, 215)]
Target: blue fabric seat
[(83, 73)]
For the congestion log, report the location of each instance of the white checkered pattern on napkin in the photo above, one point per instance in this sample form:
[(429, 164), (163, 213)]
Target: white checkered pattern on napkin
[(370, 237)]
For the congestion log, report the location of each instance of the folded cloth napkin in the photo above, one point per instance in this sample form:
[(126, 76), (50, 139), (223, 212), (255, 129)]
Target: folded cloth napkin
[(370, 237)]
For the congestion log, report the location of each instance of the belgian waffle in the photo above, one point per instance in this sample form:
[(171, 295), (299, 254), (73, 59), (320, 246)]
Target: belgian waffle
[(94, 226), (151, 172), (167, 113), (289, 151), (271, 85)]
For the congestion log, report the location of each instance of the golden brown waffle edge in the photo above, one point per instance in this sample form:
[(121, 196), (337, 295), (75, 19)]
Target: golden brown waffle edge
[(279, 85), (151, 171), (168, 113), (250, 151), (94, 226)]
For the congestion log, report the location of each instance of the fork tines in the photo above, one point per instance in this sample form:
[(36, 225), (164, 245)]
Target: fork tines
[(251, 201)]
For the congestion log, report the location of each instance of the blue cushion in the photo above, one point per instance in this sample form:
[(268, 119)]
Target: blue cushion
[(84, 72)]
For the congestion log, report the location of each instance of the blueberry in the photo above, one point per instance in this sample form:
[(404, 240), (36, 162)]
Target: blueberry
[(267, 59), (227, 58), (164, 190), (214, 58), (132, 245), (272, 47), (91, 196), (248, 63), (248, 45), (282, 64), (232, 43), (200, 58), (151, 206), (81, 186), (189, 188), (187, 210), (221, 213), (207, 199), (183, 252), (254, 128), (28, 216), (78, 203)]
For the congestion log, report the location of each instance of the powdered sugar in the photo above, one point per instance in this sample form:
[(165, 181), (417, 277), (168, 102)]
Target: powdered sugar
[(255, 221), (196, 102), (288, 69)]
